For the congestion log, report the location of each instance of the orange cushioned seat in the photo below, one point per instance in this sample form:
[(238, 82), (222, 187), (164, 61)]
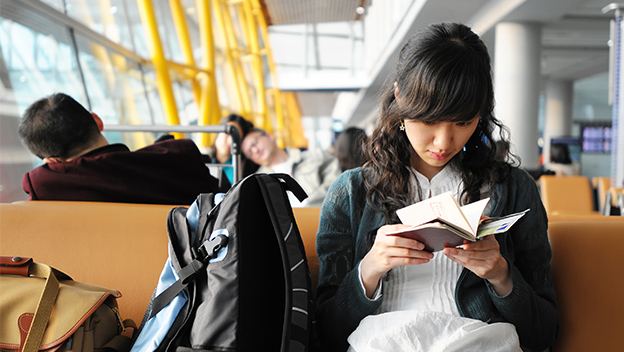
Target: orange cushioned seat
[(587, 270), (567, 195)]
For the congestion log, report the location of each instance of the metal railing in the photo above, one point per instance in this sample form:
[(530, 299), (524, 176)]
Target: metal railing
[(235, 148)]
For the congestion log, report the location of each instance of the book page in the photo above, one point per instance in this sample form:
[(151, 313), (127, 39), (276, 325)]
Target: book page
[(497, 225), (443, 206), (473, 212)]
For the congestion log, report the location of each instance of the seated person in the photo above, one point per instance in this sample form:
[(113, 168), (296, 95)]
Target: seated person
[(80, 164), (560, 161), (502, 150), (349, 148), (380, 292), (221, 148), (315, 171)]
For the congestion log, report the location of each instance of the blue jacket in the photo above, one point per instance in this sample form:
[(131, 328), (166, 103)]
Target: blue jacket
[(341, 244)]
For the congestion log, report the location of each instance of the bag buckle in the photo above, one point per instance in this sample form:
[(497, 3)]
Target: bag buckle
[(209, 249)]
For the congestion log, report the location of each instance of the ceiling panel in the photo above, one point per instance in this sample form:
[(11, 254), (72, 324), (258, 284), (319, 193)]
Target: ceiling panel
[(282, 12)]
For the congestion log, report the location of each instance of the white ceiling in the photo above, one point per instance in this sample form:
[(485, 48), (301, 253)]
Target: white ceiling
[(575, 36)]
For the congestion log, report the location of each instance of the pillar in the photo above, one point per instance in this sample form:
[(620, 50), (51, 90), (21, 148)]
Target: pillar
[(558, 112), (517, 74)]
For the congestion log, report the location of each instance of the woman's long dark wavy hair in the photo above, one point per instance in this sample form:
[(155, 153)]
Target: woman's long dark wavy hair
[(443, 74)]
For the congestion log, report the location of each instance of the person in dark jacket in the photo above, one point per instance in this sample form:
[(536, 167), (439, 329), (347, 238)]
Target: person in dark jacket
[(385, 292), (80, 164)]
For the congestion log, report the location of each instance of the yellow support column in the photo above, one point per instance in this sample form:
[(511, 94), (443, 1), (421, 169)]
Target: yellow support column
[(232, 54), (251, 29), (277, 99), (211, 112), (295, 129), (160, 63), (179, 19)]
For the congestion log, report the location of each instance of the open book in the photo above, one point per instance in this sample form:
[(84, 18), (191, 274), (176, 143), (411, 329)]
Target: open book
[(440, 222)]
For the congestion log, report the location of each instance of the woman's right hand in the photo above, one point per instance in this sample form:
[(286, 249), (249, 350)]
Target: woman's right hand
[(389, 252)]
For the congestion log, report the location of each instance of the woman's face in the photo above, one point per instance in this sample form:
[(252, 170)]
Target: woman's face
[(435, 144)]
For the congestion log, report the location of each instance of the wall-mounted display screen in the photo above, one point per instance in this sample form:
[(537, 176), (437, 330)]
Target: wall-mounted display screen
[(596, 138)]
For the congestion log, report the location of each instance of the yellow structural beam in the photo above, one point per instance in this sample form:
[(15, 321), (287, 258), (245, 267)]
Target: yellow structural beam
[(232, 55), (266, 51), (294, 127), (179, 20), (165, 90), (209, 111), (246, 60), (251, 32)]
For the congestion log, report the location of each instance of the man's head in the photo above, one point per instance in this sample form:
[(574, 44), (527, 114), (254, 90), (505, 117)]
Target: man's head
[(259, 147), (59, 127), (349, 148), (223, 142)]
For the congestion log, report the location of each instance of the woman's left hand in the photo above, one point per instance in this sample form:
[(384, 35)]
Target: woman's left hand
[(483, 258)]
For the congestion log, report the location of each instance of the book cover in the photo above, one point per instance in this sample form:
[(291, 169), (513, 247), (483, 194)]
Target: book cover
[(440, 222)]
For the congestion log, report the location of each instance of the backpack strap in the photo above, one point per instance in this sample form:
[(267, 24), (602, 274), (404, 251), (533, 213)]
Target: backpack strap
[(290, 183), (207, 251), (280, 212), (198, 258)]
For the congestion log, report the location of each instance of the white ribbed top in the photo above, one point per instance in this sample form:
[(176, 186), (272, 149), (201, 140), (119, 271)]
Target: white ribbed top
[(428, 287)]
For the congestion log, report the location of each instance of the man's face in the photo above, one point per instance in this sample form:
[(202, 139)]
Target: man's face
[(258, 147)]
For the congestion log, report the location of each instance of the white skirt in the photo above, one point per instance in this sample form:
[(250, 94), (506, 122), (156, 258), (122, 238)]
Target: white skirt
[(431, 332)]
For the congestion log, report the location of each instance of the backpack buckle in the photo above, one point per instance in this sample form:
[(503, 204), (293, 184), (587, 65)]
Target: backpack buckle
[(210, 248)]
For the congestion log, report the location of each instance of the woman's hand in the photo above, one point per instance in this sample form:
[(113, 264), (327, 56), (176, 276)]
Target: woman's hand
[(388, 252), (484, 259)]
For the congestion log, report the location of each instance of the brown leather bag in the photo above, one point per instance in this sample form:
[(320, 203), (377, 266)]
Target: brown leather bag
[(43, 309)]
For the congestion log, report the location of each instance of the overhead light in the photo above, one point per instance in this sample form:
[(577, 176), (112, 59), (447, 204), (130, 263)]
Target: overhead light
[(360, 10), (113, 10)]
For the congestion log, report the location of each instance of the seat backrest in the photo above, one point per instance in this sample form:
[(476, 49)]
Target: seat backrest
[(587, 271), (115, 245), (601, 184), (308, 222), (571, 217), (566, 195)]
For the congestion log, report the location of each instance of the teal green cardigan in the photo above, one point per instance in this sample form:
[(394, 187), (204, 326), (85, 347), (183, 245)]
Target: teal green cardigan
[(341, 243)]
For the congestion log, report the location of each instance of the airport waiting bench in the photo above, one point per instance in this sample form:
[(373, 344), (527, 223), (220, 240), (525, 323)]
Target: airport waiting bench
[(116, 245), (124, 246)]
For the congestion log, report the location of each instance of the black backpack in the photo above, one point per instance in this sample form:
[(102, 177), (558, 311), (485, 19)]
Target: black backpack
[(243, 282)]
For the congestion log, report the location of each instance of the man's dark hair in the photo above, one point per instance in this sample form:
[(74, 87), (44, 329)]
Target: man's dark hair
[(560, 153), (246, 126), (57, 126), (349, 148)]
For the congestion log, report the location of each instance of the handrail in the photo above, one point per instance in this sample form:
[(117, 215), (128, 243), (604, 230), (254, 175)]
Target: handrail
[(235, 148)]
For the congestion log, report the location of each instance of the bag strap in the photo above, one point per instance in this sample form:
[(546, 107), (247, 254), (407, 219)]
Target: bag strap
[(290, 183), (44, 307), (271, 186), (205, 252), (23, 266)]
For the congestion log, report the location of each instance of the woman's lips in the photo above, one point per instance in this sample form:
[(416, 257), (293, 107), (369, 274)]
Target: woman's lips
[(439, 156)]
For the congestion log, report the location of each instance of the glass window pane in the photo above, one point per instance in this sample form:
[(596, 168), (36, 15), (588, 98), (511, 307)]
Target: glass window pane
[(39, 59), (116, 90)]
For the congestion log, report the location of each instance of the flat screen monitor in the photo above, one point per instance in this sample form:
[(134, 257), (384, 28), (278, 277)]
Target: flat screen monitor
[(596, 138)]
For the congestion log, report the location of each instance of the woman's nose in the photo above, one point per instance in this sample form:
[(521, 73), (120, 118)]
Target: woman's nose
[(443, 138)]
